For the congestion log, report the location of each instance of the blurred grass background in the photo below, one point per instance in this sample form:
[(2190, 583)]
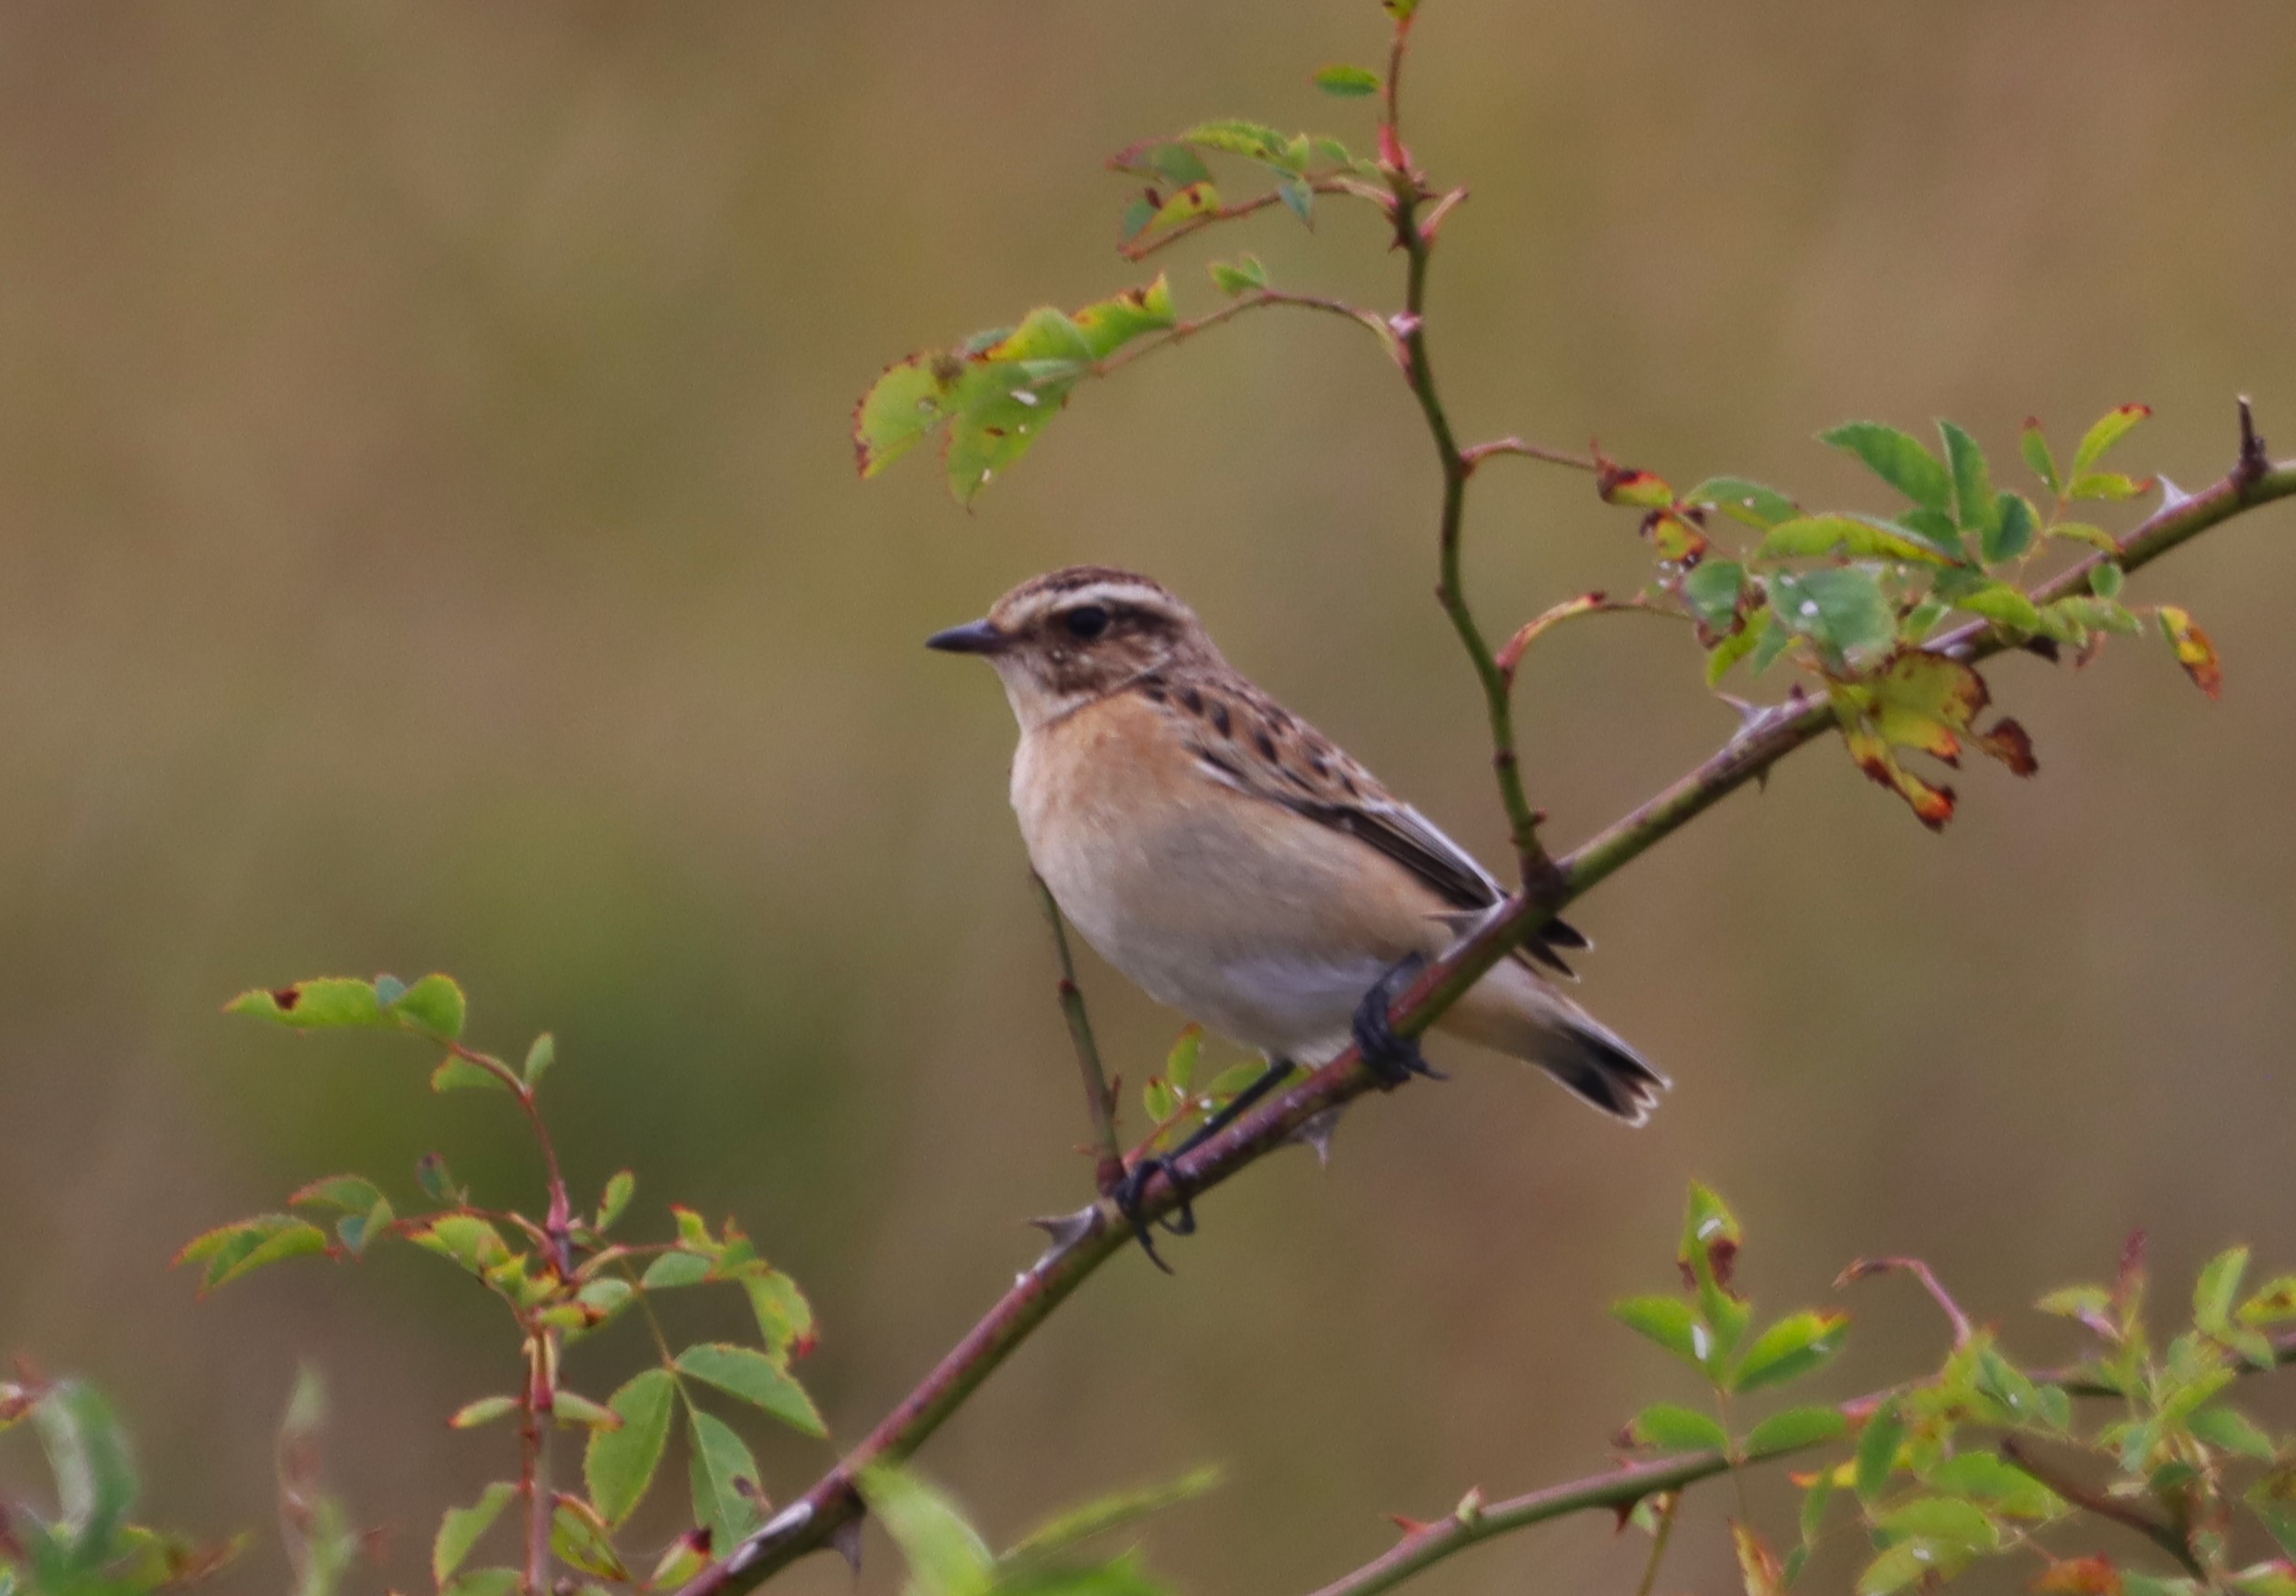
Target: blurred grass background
[(432, 543)]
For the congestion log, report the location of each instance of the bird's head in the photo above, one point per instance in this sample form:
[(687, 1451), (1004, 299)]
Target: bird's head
[(1061, 640)]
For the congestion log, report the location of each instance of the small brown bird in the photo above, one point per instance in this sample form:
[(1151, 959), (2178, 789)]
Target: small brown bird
[(1237, 865)]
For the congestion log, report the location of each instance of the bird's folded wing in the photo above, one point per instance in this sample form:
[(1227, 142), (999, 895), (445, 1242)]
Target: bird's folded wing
[(1275, 757)]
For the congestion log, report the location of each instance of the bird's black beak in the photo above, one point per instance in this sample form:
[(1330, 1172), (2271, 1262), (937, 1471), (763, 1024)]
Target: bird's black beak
[(978, 637)]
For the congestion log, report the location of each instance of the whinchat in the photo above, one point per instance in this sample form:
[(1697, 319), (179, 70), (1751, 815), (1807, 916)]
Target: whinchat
[(1231, 860)]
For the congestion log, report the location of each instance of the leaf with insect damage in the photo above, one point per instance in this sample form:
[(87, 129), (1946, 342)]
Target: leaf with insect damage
[(324, 1002), (991, 393), (2194, 652)]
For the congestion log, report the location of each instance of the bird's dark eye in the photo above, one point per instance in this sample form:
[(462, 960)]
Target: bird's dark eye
[(1086, 622)]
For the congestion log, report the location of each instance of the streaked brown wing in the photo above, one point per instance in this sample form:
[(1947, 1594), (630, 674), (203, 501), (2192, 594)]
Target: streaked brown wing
[(1252, 744)]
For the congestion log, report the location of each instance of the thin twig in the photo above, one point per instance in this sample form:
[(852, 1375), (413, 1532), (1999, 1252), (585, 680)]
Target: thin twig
[(1962, 1329), (1099, 1100), (1258, 299), (809, 1523), (2163, 1535), (1475, 454), (1321, 183), (1535, 869), (540, 1402), (560, 1221), (1671, 1506)]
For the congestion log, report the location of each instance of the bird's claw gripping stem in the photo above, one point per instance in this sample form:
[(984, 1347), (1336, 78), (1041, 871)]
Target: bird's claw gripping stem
[(1393, 1058)]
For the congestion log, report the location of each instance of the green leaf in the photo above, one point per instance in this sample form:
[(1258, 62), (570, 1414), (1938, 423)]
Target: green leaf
[(1711, 588), (326, 1003), (88, 1457), (1898, 459), (1878, 1452), (233, 1250), (1668, 1321), (1348, 83), (1078, 1524), (2233, 1432), (581, 1537), (571, 1408), (1794, 1429), (460, 1529), (1744, 501), (1711, 1238), (2273, 1500), (1673, 1429), (470, 1241), (1746, 640), (2001, 603), (1814, 535), (1179, 1064), (485, 1410), (2107, 485), (619, 1465), (620, 1188), (1906, 1563), (349, 1193), (754, 1378), (433, 1006), (1814, 1501), (1244, 275), (456, 1073), (2106, 578), (2006, 1490), (2218, 1288), (675, 1269), (1234, 135), (1842, 609), (1974, 507), (2011, 531), (2275, 1300), (1946, 1520), (438, 1182), (784, 1319), (356, 1230), (540, 1058), (2110, 428), (946, 1557), (2034, 445), (724, 1479), (1298, 198), (1789, 1349), (486, 1583)]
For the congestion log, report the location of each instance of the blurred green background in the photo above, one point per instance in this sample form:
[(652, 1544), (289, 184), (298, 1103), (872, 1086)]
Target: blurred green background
[(432, 543)]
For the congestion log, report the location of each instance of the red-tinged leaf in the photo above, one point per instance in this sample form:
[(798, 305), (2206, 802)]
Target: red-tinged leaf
[(1924, 700), (2092, 1576), (2008, 742), (2110, 428), (2194, 652), (1678, 539), (1933, 806), (1625, 484), (1510, 654), (1757, 1565)]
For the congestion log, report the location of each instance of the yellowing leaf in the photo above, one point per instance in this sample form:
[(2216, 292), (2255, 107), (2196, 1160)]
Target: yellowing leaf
[(1757, 1565), (1922, 700), (1933, 806), (2110, 428), (2194, 652)]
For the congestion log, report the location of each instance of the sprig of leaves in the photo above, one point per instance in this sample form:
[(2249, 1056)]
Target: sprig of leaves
[(563, 1277)]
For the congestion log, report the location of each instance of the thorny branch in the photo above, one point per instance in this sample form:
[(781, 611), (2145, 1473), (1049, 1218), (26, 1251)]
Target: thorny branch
[(2164, 1536), (1082, 1242), (1089, 1238)]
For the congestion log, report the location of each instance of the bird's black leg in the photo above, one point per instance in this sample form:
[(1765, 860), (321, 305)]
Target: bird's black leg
[(1393, 1058), (1182, 1221)]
